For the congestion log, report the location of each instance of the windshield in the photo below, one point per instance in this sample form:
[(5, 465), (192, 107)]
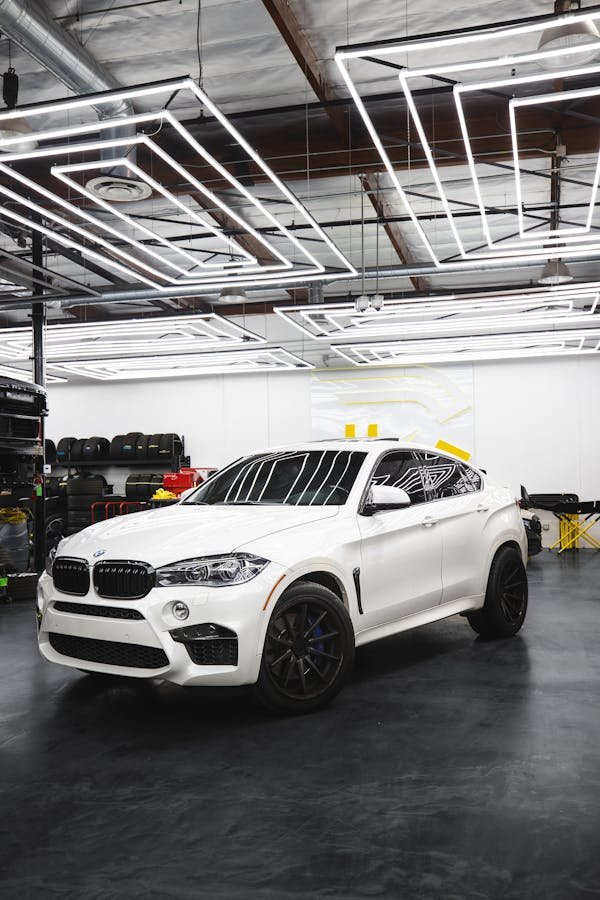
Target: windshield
[(292, 478)]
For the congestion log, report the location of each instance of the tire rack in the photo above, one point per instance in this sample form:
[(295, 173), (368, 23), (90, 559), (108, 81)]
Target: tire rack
[(173, 464)]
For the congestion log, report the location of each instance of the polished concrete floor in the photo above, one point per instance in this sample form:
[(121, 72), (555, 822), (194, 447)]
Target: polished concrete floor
[(449, 768)]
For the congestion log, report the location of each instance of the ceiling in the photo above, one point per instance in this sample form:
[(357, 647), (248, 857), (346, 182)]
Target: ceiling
[(269, 67)]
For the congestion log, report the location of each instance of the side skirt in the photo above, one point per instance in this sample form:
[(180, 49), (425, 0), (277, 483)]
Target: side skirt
[(443, 611)]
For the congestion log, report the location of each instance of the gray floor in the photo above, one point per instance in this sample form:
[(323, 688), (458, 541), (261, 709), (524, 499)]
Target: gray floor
[(449, 768)]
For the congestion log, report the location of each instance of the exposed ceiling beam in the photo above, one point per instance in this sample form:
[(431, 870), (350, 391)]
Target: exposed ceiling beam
[(286, 19)]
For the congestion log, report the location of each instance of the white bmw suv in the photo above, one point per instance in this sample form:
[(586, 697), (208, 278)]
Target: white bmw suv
[(274, 570)]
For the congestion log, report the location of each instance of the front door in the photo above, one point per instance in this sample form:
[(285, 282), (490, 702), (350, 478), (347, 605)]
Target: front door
[(401, 550)]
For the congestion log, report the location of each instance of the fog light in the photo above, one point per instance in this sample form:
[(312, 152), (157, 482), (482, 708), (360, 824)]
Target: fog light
[(180, 610)]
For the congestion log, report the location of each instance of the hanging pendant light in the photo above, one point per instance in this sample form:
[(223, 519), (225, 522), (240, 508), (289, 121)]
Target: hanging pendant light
[(233, 295), (555, 272), (566, 36), (15, 128)]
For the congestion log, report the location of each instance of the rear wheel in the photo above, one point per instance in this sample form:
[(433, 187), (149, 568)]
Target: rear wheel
[(308, 651), (505, 607)]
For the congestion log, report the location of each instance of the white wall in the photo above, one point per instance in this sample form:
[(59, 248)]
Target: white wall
[(220, 417), (537, 422)]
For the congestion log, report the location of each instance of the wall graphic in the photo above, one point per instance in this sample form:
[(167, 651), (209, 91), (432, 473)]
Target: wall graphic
[(417, 403)]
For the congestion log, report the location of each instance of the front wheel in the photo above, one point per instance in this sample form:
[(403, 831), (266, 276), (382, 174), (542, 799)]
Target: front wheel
[(308, 651), (505, 607)]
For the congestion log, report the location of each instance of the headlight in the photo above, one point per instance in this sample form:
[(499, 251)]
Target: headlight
[(51, 556), (212, 571)]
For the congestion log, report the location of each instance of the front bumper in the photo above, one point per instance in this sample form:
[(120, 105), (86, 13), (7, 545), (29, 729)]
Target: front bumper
[(239, 609)]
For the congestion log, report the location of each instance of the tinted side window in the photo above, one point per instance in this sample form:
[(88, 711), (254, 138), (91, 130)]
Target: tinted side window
[(445, 477), (473, 480), (401, 470)]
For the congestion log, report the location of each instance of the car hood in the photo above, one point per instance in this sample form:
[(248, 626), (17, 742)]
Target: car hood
[(161, 536)]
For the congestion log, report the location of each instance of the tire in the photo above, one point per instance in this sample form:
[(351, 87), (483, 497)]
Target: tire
[(116, 447), (82, 502), (298, 673), (169, 446), (154, 446), (129, 444), (63, 449), (55, 528), (77, 450), (86, 484), (95, 448), (131, 489), (505, 606), (141, 448), (49, 451)]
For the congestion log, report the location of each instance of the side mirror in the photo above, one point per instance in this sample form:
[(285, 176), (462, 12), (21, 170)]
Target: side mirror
[(187, 493), (382, 497)]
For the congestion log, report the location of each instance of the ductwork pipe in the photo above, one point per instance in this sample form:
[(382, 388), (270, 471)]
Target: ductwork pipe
[(30, 25), (134, 295)]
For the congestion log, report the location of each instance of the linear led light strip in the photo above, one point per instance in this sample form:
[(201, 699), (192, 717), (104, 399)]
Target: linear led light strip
[(400, 317), (510, 82), (76, 211), (110, 125), (140, 139), (187, 83), (486, 33), (559, 233), (459, 90), (274, 359), (24, 375), (428, 44), (515, 247), (458, 350), (397, 317), (139, 336), (59, 172)]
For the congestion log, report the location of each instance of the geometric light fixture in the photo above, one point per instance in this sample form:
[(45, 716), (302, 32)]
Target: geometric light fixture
[(225, 362), (199, 240), (130, 337), (499, 63), (530, 309), (25, 375), (445, 350)]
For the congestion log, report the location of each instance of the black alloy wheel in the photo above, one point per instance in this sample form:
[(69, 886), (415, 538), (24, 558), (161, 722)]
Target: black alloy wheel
[(308, 650), (505, 607), (512, 590)]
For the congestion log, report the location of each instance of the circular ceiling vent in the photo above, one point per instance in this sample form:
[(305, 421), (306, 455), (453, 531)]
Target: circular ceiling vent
[(118, 190)]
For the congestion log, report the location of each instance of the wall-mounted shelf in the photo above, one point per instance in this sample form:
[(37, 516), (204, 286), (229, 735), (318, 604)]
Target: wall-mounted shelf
[(172, 463)]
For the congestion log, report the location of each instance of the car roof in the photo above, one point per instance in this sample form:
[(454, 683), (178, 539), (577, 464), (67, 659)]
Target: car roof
[(368, 445)]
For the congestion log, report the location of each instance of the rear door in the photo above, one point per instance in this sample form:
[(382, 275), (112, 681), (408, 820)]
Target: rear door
[(401, 553), (460, 515)]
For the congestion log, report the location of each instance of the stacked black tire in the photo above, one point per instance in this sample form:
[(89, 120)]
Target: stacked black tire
[(82, 492), (142, 487), (122, 448)]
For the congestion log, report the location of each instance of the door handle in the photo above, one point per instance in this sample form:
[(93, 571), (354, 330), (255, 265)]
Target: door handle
[(482, 508), (428, 521)]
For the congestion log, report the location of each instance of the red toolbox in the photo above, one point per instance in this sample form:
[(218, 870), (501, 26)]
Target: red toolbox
[(188, 477)]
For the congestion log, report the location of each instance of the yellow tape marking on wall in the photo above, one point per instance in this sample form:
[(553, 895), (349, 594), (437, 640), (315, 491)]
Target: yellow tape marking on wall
[(373, 430), (450, 448), (350, 430)]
